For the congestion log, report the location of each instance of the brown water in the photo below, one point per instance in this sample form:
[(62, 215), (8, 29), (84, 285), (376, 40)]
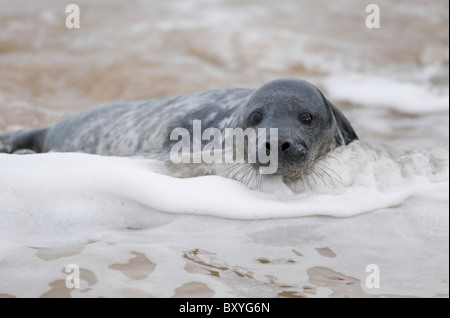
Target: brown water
[(140, 49), (128, 50)]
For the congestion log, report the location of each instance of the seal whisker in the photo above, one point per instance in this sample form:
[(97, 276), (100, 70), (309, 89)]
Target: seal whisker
[(231, 169), (243, 171), (328, 175), (239, 172), (255, 177), (251, 177), (329, 170), (244, 174), (260, 77), (330, 178), (315, 172), (314, 178), (306, 178), (333, 157)]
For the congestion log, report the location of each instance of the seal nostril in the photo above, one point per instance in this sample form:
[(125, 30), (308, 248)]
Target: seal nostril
[(285, 146)]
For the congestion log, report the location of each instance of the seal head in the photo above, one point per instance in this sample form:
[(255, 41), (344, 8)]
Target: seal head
[(309, 126)]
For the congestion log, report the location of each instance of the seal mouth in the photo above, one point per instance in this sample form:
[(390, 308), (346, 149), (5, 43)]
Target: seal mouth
[(250, 174), (291, 166), (294, 172), (300, 167), (316, 173)]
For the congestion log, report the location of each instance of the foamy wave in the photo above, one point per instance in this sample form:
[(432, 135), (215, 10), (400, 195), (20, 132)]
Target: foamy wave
[(402, 96), (367, 178)]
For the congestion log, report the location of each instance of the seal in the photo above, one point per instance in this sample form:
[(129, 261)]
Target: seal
[(309, 126)]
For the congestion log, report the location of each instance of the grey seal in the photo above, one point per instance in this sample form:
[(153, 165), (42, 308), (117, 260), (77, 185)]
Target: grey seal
[(309, 126)]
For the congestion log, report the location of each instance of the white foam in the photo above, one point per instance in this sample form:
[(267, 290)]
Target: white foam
[(68, 188), (372, 91)]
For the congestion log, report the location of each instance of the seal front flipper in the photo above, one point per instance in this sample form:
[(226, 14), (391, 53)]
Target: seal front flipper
[(30, 140)]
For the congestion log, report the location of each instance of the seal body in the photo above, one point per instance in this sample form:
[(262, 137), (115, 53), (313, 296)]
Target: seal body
[(309, 126), (130, 128)]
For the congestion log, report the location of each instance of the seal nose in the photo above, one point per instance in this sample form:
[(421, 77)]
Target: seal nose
[(287, 149), (283, 147)]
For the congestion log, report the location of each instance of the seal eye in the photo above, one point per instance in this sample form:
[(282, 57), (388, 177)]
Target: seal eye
[(306, 118), (255, 118)]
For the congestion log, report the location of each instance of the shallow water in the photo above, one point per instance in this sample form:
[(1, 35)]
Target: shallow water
[(136, 232)]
